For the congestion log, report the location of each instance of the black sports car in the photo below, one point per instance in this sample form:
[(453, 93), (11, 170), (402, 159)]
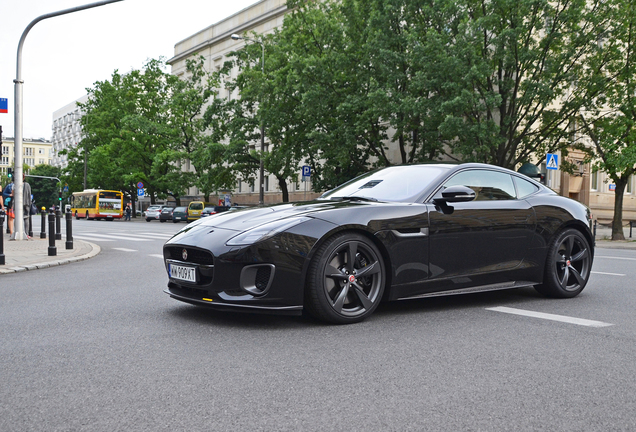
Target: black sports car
[(398, 233)]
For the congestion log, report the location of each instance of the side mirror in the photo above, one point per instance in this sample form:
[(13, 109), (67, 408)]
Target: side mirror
[(456, 194)]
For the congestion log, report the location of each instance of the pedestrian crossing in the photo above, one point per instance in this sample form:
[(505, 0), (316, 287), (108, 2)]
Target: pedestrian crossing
[(112, 237)]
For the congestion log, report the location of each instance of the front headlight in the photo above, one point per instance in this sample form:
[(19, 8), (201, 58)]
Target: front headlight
[(265, 231)]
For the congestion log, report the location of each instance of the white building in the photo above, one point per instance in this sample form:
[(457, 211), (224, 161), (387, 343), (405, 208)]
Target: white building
[(67, 132)]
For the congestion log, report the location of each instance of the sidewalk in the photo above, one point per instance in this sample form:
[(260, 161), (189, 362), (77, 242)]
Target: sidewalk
[(33, 254)]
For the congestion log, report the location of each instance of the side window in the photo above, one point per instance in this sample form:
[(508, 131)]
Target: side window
[(488, 185), (524, 187)]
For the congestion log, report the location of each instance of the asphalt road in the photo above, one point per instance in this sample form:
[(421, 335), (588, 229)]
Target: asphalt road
[(97, 346)]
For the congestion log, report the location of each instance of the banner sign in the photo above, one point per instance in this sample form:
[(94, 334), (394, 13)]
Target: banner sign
[(4, 105)]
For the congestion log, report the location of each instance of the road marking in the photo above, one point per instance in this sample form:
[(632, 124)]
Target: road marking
[(156, 256), (610, 274), (561, 318), (125, 250), (90, 238), (616, 258), (141, 235), (108, 236)]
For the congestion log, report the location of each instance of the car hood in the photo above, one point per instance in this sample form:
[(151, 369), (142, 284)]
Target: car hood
[(241, 220)]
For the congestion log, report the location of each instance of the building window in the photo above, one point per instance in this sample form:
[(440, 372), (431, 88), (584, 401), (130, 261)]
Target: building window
[(239, 184), (266, 186), (5, 150), (628, 188), (5, 160), (40, 151), (28, 151), (594, 180)]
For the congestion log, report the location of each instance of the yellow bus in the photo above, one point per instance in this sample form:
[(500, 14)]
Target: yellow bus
[(97, 204)]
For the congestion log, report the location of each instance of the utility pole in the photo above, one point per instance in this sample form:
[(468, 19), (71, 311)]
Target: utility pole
[(18, 232)]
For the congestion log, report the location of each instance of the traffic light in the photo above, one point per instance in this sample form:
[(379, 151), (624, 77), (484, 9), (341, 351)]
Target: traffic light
[(10, 173), (60, 197)]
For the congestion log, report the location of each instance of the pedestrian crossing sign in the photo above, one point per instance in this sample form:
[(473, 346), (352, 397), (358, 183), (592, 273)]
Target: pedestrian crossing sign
[(552, 161)]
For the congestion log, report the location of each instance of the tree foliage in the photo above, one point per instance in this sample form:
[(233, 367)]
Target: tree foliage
[(610, 118)]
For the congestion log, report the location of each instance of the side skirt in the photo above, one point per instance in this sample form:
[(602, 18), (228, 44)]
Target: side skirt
[(472, 290)]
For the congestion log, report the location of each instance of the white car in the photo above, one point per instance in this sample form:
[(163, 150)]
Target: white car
[(153, 212)]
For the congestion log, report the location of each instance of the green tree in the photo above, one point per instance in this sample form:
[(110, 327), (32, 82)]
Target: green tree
[(45, 191), (610, 118)]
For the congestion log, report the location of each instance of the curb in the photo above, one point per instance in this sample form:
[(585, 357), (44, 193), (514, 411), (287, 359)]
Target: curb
[(95, 250)]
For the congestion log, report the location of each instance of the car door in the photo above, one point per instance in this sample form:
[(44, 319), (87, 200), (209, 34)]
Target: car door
[(489, 234)]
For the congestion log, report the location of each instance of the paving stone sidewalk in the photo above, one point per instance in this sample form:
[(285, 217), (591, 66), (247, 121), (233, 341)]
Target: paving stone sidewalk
[(34, 254)]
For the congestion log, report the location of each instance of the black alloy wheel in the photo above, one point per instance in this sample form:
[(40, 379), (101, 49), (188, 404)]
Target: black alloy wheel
[(346, 280), (568, 265)]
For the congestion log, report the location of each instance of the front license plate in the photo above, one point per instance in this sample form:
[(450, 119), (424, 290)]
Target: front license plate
[(188, 274)]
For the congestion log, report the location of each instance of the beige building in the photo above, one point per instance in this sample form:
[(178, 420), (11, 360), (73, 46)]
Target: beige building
[(34, 152)]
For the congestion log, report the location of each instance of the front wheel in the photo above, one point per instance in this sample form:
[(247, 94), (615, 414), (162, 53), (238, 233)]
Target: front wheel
[(568, 265), (346, 280), (148, 220)]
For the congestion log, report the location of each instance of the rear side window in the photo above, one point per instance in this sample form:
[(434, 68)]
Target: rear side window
[(524, 187)]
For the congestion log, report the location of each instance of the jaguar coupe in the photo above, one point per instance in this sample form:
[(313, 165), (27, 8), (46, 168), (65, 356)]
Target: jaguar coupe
[(397, 233)]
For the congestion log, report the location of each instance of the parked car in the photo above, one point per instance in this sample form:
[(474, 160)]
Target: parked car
[(153, 212), (210, 210), (166, 214), (195, 208), (397, 233), (180, 214)]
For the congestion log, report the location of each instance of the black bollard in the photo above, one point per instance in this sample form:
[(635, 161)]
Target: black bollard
[(1, 238), (30, 233), (594, 229), (58, 225), (69, 230), (52, 248), (43, 224)]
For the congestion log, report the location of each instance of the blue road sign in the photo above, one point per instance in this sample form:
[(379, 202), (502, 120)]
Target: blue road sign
[(140, 185), (306, 171), (552, 161), (140, 193)]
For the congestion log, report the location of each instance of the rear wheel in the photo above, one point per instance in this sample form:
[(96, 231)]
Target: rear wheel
[(568, 265), (346, 280)]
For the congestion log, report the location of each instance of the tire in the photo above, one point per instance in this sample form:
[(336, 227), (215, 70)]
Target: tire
[(162, 220), (568, 265), (148, 220), (174, 221), (345, 281)]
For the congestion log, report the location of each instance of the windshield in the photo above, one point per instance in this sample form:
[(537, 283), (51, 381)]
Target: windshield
[(398, 183)]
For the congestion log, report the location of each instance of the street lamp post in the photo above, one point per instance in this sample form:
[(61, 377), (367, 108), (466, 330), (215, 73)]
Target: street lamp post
[(261, 180), (18, 232)]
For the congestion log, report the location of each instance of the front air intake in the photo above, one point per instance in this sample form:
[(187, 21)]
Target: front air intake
[(256, 279)]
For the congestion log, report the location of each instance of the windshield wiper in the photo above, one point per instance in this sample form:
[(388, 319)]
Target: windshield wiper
[(353, 198)]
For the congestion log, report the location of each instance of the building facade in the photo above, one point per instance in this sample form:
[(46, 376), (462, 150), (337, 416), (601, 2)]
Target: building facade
[(66, 130), (34, 152)]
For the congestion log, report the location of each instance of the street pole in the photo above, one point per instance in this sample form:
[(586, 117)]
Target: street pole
[(261, 180), (18, 231)]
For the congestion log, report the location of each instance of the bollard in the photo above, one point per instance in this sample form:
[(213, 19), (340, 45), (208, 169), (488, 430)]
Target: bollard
[(30, 233), (43, 224), (52, 248), (69, 230), (58, 225), (630, 229), (1, 238), (594, 229)]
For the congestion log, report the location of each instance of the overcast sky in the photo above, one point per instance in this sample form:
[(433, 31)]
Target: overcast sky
[(64, 55)]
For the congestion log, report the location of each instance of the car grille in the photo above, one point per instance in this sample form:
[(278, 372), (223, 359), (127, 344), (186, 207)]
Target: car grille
[(195, 256)]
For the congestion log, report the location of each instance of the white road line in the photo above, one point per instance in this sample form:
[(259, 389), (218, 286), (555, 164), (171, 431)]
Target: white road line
[(156, 256), (152, 236), (117, 237), (91, 238), (610, 274), (561, 318), (125, 250), (616, 258)]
